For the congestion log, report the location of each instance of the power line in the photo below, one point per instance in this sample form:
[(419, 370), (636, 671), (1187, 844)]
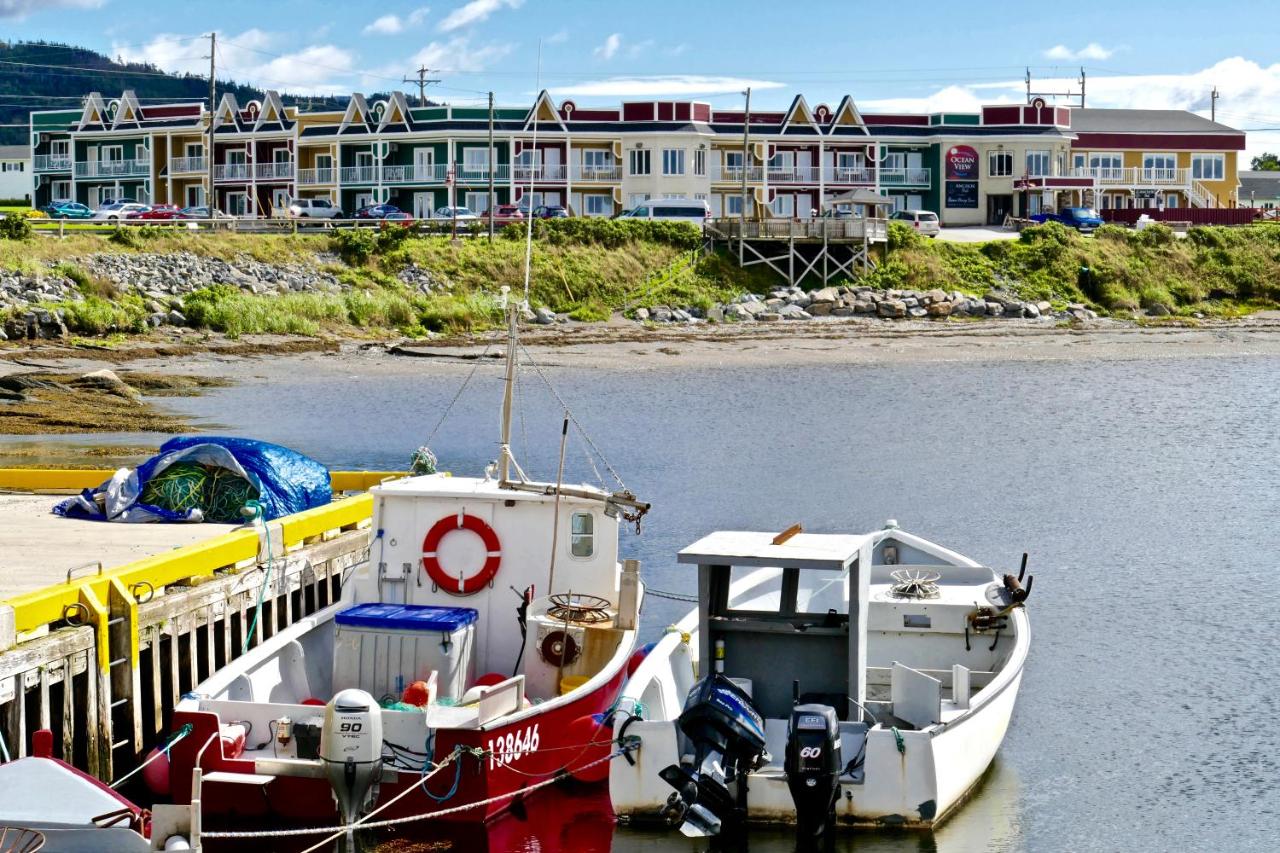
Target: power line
[(423, 81)]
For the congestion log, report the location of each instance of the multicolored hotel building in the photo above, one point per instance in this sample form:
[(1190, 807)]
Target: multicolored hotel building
[(971, 168)]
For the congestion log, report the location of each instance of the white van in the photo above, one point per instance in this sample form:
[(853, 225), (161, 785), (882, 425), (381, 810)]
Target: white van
[(695, 211)]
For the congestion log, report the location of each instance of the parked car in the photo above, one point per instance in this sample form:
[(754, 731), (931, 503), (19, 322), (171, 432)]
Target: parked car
[(397, 218), (314, 208), (550, 211), (1083, 219), (119, 211), (200, 211), (159, 212), (376, 211), (504, 214), (107, 201), (462, 214), (924, 221), (63, 209), (695, 211)]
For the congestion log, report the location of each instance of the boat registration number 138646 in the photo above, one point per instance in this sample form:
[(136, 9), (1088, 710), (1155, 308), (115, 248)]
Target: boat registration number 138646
[(504, 749)]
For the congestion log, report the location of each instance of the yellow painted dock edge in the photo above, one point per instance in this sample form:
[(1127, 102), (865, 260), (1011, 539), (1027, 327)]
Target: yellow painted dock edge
[(36, 609)]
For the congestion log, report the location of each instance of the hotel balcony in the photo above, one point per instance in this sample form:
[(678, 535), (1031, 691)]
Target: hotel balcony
[(583, 173), (274, 171), (1133, 176), (480, 175), (905, 177), (231, 172), (524, 173), (188, 165), (315, 177), (113, 168), (50, 163), (829, 175)]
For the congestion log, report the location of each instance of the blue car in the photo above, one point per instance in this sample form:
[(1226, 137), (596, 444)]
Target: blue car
[(1083, 219), (67, 210)]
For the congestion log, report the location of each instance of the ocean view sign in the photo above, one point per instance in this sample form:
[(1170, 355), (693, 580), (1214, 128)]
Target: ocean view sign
[(962, 163)]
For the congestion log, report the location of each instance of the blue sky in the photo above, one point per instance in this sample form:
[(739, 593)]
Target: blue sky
[(887, 55)]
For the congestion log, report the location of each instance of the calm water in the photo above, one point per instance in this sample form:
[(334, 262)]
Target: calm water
[(1144, 491)]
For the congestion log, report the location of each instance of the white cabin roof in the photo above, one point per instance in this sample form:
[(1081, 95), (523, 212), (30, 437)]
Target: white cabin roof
[(444, 486), (748, 548)]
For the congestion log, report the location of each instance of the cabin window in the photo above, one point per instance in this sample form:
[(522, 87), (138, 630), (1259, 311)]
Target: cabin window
[(582, 542), (762, 596), (820, 590)]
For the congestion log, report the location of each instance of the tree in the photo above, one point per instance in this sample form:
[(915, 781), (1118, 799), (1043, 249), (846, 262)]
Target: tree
[(1267, 162)]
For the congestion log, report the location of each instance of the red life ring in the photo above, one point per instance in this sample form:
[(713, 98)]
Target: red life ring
[(458, 585)]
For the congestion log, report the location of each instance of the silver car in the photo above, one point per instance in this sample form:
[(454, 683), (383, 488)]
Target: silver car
[(924, 221), (119, 211), (314, 208)]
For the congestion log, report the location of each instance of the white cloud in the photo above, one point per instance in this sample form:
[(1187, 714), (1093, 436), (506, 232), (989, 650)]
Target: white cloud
[(558, 37), (678, 50), (1092, 50), (639, 47), (389, 25), (610, 47), (475, 12), (674, 84), (1249, 94), (458, 54), (23, 8), (255, 57)]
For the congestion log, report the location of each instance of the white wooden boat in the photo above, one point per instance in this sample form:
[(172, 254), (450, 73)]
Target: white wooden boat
[(881, 670)]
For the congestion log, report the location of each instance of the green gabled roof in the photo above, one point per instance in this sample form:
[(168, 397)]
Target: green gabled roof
[(430, 113), (471, 112), (955, 118), (61, 118)]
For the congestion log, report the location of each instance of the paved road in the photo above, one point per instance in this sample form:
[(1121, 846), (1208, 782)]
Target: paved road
[(976, 234)]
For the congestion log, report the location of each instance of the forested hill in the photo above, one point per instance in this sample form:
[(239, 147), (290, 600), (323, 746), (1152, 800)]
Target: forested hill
[(28, 82)]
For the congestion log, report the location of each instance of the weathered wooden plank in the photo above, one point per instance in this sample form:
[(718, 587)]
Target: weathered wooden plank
[(68, 710), (46, 715), (157, 687)]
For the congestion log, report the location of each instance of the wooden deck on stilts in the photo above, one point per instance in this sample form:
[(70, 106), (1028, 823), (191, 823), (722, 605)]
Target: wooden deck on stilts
[(797, 248)]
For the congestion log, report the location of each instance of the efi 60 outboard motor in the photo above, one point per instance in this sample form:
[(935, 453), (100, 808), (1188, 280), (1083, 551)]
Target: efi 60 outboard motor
[(727, 733), (351, 749), (812, 765)]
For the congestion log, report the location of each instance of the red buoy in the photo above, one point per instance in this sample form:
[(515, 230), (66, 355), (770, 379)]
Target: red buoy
[(417, 693), (489, 679), (589, 734), (156, 773)]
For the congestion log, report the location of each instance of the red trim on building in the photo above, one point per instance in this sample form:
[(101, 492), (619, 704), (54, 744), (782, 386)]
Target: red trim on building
[(638, 112), (1001, 115), (192, 110), (1160, 141), (701, 112)]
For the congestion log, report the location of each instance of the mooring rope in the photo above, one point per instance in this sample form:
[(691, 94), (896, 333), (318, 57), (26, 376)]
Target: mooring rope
[(334, 832), (674, 596)]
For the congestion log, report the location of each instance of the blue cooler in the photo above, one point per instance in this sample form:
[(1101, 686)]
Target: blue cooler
[(383, 648)]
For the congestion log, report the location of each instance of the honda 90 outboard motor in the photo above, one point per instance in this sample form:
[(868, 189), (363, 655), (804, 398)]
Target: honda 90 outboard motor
[(727, 733), (351, 749), (812, 765)]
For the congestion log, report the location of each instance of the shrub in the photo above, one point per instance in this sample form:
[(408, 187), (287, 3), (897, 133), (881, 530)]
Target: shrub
[(14, 227), (354, 245), (1118, 233), (609, 233), (1154, 235), (95, 315), (903, 236), (122, 236)]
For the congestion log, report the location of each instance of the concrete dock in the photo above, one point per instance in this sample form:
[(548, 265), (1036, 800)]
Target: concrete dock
[(37, 547)]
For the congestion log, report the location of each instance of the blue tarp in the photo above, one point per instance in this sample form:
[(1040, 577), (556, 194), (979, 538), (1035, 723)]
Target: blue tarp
[(286, 481)]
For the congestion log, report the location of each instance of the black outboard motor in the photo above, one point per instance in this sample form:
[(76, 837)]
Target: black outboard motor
[(813, 766), (727, 733)]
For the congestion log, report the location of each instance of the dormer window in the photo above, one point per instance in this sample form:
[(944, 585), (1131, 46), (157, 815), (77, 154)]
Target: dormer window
[(582, 540)]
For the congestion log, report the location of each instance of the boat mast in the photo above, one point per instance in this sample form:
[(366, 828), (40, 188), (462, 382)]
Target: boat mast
[(508, 393)]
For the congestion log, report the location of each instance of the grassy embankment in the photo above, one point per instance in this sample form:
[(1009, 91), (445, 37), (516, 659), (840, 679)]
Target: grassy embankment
[(1216, 271), (587, 268)]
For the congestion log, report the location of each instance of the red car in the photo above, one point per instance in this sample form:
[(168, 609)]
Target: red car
[(504, 214), (160, 211)]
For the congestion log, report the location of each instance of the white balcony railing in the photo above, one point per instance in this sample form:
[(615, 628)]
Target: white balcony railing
[(112, 168), (51, 163), (231, 172), (733, 174), (184, 165), (480, 174), (524, 172), (848, 175), (276, 170), (358, 174), (905, 177), (311, 177), (586, 173), (1134, 176)]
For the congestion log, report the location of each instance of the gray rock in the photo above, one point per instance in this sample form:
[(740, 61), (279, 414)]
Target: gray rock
[(892, 308), (821, 309), (918, 312), (715, 314), (793, 312), (864, 306), (661, 314), (941, 308), (544, 316), (1044, 308), (1031, 311), (769, 317), (176, 318), (1159, 310), (642, 314), (840, 312), (826, 294), (1013, 309), (994, 309)]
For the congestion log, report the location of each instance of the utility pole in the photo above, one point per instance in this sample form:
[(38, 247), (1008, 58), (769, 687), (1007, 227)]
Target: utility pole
[(492, 165), (742, 225), (1213, 104), (422, 81), (211, 196), (1082, 81)]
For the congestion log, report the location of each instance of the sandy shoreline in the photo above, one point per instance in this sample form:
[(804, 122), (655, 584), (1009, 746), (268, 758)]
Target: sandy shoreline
[(631, 347)]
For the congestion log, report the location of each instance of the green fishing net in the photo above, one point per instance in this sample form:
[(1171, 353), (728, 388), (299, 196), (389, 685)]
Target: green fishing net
[(226, 492), (178, 488)]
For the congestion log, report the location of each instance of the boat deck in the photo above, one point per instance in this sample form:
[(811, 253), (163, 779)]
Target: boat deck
[(37, 548)]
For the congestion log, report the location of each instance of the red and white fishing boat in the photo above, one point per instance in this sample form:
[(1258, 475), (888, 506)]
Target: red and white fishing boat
[(489, 632)]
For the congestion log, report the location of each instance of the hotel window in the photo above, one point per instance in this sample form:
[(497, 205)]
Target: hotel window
[(636, 199), (1208, 167), (60, 149), (1107, 167), (1000, 164), (1159, 167), (597, 204), (476, 202), (475, 160), (639, 161), (850, 166), (700, 161), (582, 534), (1038, 163), (733, 205), (784, 206), (733, 161), (782, 164), (673, 161)]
